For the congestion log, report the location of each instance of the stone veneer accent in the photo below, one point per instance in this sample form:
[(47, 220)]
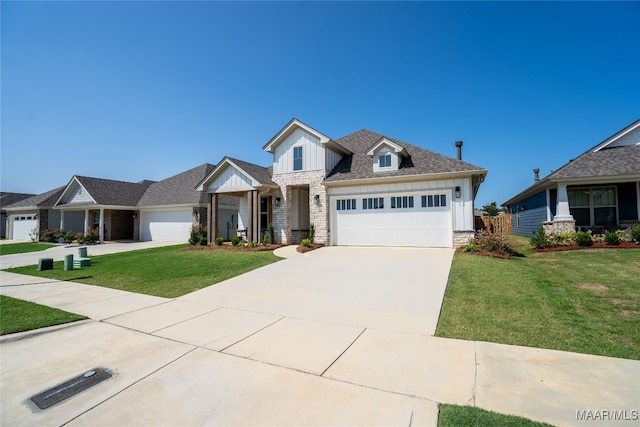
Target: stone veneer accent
[(558, 226), (318, 212), (462, 238)]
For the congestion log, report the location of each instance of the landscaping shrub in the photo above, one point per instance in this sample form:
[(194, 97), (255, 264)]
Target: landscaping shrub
[(69, 237), (92, 236), (563, 239), (80, 238), (305, 242), (584, 239), (635, 234), (235, 240), (540, 240), (219, 241), (471, 247), (271, 233), (203, 241), (611, 238), (197, 233), (253, 244), (312, 232)]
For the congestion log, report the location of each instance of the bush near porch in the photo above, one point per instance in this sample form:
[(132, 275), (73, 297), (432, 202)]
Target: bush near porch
[(586, 301)]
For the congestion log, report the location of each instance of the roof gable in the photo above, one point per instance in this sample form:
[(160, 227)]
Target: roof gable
[(385, 142), (99, 191), (630, 135), (291, 127), (249, 175)]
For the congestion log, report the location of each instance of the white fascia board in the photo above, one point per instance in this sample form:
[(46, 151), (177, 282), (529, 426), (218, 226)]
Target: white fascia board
[(611, 179), (168, 207), (94, 207), (613, 138), (405, 178), (384, 141), (68, 188)]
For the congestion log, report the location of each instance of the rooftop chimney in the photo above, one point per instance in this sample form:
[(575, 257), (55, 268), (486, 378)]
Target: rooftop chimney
[(536, 177), (459, 149)]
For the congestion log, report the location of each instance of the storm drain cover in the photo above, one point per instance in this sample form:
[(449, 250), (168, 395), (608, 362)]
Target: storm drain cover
[(70, 388)]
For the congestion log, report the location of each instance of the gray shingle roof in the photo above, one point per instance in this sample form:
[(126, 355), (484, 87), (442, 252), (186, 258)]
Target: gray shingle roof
[(113, 193), (7, 198), (420, 161), (180, 190), (44, 200), (606, 162), (262, 174)]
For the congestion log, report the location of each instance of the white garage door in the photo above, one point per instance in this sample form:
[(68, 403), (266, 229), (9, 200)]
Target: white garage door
[(22, 226), (166, 226), (423, 220)]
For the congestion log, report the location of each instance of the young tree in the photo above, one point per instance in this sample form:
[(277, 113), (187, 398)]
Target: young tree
[(492, 209)]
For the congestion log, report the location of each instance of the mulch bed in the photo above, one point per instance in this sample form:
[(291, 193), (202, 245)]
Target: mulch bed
[(596, 245), (230, 247), (312, 246)]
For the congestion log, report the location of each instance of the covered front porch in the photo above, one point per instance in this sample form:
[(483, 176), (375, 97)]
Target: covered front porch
[(111, 223)]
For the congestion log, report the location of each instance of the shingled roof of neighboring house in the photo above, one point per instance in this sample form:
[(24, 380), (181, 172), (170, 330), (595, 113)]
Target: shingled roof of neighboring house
[(110, 192), (262, 174), (180, 190), (419, 162), (43, 200), (7, 198), (606, 162)]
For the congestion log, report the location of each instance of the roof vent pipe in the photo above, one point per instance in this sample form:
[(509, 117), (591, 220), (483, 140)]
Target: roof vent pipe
[(459, 149), (536, 176)]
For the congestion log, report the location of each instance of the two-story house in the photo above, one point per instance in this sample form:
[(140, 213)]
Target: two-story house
[(362, 189)]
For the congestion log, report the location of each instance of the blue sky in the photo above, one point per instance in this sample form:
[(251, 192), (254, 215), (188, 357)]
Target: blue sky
[(145, 90)]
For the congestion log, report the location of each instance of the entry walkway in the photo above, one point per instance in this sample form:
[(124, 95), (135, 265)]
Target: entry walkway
[(275, 352)]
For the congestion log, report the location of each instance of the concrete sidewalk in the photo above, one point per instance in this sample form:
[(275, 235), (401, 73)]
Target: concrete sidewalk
[(212, 358)]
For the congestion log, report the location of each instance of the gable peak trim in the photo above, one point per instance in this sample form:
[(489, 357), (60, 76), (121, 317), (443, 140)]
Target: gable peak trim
[(397, 148)]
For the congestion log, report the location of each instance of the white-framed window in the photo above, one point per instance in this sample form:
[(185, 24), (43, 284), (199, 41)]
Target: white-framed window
[(345, 204), (401, 202), (384, 160), (595, 206), (297, 158), (434, 201), (373, 203)]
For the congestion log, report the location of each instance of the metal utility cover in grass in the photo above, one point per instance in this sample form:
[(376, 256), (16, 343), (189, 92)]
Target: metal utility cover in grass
[(70, 388)]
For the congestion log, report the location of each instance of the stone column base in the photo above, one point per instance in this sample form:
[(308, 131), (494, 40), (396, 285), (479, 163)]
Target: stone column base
[(462, 238), (559, 226)]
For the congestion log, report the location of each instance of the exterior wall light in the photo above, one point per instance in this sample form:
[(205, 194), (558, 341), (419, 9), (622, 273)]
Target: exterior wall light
[(316, 198), (277, 202), (457, 192)]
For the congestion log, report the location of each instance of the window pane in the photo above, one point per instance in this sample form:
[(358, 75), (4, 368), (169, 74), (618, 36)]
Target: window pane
[(443, 200), (393, 202), (381, 202), (581, 216), (578, 198), (604, 216), (353, 204), (337, 204), (375, 203), (297, 158), (604, 197), (410, 201), (343, 204), (430, 201), (424, 201), (436, 201)]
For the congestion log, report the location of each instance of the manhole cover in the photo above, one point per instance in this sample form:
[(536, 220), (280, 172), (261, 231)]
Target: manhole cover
[(70, 388)]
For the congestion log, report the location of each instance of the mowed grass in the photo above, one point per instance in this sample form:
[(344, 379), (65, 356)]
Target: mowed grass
[(585, 301), (20, 248), (469, 416), (167, 272), (17, 315)]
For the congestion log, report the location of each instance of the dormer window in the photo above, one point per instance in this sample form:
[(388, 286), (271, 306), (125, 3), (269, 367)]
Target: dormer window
[(297, 158), (385, 160)]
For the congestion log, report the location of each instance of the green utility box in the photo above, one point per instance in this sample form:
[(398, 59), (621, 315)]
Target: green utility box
[(68, 262)]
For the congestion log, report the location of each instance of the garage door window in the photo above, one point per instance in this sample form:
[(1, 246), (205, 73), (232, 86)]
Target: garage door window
[(346, 204), (434, 201), (373, 203), (402, 202)]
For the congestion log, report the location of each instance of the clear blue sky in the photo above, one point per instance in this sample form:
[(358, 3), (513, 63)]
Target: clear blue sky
[(145, 90)]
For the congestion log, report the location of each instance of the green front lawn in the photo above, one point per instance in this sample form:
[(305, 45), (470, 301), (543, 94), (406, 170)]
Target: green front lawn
[(20, 248), (586, 301), (17, 315), (469, 416), (165, 272)]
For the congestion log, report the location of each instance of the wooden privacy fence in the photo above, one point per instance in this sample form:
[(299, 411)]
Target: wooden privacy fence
[(500, 224)]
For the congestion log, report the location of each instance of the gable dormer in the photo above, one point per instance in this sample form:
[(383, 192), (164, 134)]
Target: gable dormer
[(386, 155), (300, 148)]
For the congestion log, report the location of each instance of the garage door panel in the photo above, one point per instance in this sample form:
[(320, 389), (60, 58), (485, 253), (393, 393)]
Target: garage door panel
[(416, 226), (166, 226), (22, 228)]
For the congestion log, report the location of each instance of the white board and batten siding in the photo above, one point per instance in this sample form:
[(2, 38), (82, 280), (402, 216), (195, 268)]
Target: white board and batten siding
[(415, 226), (78, 195), (231, 180), (312, 153)]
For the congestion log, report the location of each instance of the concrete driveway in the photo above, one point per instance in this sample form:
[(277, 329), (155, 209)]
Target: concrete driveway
[(338, 336)]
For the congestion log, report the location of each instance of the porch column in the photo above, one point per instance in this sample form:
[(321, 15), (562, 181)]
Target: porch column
[(209, 214), (61, 220), (638, 198), (255, 216), (548, 195), (562, 207), (86, 221), (213, 226), (101, 225)]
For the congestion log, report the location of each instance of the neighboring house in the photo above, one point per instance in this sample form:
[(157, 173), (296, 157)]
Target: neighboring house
[(34, 212), (598, 190), (362, 189), (5, 200)]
